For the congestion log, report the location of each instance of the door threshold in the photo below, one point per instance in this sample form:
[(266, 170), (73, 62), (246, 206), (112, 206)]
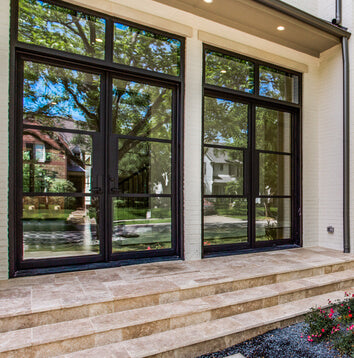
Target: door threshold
[(93, 266), (250, 251)]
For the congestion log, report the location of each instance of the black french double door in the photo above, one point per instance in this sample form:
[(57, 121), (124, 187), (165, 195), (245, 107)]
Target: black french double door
[(251, 173), (97, 172)]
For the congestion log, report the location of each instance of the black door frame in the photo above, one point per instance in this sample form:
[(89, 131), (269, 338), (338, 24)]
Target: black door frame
[(107, 68), (251, 166)]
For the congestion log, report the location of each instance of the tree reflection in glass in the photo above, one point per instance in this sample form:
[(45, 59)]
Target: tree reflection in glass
[(229, 71), (225, 122), (141, 110), (278, 84), (59, 97), (144, 167), (60, 28), (147, 50)]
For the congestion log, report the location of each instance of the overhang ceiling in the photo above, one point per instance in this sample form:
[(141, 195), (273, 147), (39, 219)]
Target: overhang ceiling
[(303, 32)]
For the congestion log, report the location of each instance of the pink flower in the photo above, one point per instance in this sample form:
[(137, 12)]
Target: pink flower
[(323, 330)]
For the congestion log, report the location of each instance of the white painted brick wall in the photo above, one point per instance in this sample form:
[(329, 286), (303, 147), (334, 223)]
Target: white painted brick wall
[(192, 153), (310, 146), (4, 90), (310, 6), (330, 131)]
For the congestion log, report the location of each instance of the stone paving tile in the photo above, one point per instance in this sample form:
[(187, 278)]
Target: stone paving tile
[(38, 293)]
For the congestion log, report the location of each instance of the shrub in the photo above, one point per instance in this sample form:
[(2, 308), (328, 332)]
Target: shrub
[(335, 324)]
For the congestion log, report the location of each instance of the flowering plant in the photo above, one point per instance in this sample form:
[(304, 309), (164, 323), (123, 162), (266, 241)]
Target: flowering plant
[(335, 323)]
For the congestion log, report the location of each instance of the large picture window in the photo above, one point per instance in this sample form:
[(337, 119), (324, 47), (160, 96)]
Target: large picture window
[(251, 172), (97, 123)]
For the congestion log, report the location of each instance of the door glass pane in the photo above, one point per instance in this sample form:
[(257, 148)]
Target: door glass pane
[(141, 110), (225, 221), (273, 219), (278, 84), (55, 226), (147, 50), (59, 28), (223, 171), (56, 162), (141, 224), (60, 97), (273, 130), (229, 71), (225, 122), (274, 174), (144, 167)]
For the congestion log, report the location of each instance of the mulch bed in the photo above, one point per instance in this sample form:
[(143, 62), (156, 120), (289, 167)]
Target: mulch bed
[(281, 343)]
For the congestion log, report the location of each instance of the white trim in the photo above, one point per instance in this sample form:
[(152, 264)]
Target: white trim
[(250, 51), (134, 15)]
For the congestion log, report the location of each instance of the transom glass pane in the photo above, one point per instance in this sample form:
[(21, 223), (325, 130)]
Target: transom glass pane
[(59, 28), (141, 110), (228, 71), (60, 97), (147, 50), (225, 122), (278, 84)]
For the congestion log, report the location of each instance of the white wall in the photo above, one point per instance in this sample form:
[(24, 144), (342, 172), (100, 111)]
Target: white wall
[(4, 87)]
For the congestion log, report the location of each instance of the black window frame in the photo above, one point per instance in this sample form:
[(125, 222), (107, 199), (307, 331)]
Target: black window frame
[(251, 164), (20, 51)]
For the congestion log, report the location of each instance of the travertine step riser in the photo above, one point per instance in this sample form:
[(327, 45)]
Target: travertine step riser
[(161, 325), (220, 343), (68, 313)]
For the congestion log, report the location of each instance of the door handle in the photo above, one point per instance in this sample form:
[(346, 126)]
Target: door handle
[(96, 191)]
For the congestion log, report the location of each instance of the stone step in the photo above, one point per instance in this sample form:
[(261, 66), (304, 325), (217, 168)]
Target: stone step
[(136, 294), (207, 337), (64, 337)]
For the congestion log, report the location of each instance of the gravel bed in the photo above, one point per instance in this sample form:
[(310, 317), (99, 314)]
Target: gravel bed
[(280, 343)]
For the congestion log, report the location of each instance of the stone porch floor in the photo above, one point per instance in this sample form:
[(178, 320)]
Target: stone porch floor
[(55, 291)]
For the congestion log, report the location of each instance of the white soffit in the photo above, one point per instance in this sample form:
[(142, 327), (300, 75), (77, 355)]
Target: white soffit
[(260, 20)]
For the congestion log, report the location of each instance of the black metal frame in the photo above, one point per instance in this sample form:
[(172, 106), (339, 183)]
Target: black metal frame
[(107, 68), (251, 154)]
